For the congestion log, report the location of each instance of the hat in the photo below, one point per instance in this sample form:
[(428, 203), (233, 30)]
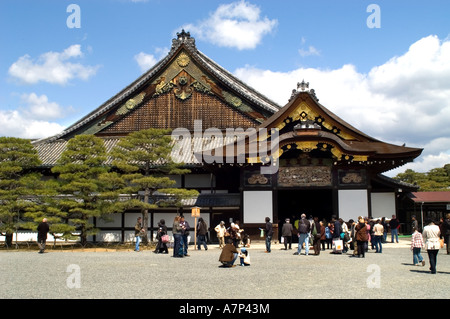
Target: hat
[(243, 249)]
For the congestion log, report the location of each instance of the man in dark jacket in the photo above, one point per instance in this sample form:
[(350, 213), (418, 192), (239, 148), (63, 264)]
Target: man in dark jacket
[(42, 229), (393, 224), (286, 233), (304, 227), (268, 231), (337, 227)]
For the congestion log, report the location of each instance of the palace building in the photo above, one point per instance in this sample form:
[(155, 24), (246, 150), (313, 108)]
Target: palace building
[(312, 162)]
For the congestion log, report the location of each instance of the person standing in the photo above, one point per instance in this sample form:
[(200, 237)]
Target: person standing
[(394, 224), (43, 229), (202, 229), (138, 231), (286, 233), (416, 247), (385, 227), (185, 228), (303, 235), (361, 237), (328, 235), (268, 231), (322, 235), (315, 232), (378, 230), (446, 233), (177, 237), (431, 235), (221, 230)]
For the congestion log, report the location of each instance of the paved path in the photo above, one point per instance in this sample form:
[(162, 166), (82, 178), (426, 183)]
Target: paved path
[(278, 275)]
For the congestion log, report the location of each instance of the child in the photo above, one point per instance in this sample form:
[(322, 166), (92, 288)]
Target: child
[(328, 235), (245, 257), (416, 246)]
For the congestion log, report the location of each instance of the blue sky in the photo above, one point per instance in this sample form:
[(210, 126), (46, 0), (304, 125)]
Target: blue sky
[(392, 82)]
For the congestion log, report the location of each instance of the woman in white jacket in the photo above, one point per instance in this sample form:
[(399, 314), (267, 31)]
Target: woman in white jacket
[(431, 234)]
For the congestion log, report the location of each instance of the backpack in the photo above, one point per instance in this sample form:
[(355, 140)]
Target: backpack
[(314, 232), (302, 227)]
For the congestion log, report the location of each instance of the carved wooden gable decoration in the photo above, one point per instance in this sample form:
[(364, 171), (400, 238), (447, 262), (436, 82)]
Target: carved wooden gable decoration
[(183, 87), (310, 132)]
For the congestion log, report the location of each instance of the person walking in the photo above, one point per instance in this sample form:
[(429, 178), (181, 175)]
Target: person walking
[(161, 247), (286, 233), (393, 225), (43, 229), (431, 235), (416, 247), (304, 227), (138, 232), (221, 230), (378, 230), (361, 237), (268, 232), (202, 229)]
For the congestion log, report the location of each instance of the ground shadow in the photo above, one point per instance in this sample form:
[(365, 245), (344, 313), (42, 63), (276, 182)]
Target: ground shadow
[(428, 272)]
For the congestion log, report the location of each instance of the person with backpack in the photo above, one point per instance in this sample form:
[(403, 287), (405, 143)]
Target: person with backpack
[(304, 227)]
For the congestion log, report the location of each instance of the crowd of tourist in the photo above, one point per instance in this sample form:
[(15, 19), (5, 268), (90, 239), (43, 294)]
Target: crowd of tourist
[(337, 235)]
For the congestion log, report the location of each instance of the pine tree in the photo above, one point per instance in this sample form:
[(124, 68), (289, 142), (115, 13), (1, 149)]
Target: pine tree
[(80, 187), (144, 158), (17, 158)]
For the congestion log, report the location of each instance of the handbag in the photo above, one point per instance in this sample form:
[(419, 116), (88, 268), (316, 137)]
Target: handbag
[(441, 242), (165, 238)]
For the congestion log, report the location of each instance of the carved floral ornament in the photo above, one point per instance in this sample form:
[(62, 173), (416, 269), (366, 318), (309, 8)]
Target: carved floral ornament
[(307, 147), (305, 113)]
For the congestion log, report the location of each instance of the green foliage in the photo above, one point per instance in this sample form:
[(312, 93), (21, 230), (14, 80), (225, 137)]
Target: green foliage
[(81, 189), (146, 157), (437, 179), (17, 182)]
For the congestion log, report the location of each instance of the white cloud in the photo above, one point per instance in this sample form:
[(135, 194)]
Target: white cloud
[(405, 100), (237, 25), (52, 67), (14, 123), (311, 51), (39, 107), (33, 118), (145, 61)]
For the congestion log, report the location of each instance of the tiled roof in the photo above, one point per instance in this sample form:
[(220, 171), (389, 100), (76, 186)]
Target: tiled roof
[(50, 152), (431, 197), (183, 39)]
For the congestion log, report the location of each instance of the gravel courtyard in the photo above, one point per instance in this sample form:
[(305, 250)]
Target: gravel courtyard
[(125, 274)]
